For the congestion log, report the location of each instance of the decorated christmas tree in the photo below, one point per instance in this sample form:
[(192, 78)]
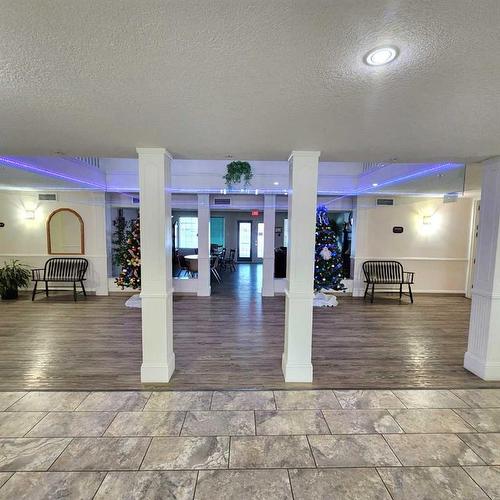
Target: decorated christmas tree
[(128, 256), (328, 273)]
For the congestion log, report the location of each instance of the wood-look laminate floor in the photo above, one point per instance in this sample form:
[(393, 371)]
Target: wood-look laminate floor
[(235, 340)]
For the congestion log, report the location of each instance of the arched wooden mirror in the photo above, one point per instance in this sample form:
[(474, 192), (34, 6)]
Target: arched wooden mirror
[(65, 233)]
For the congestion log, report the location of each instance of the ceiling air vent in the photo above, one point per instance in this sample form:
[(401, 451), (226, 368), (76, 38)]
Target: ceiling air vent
[(47, 197), (222, 201), (385, 202)]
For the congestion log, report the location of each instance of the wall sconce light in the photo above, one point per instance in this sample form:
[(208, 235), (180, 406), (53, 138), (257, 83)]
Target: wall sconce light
[(427, 220), (29, 214)]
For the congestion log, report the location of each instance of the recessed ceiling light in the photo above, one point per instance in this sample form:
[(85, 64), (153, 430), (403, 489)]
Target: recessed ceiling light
[(381, 56), (276, 183), (375, 184)]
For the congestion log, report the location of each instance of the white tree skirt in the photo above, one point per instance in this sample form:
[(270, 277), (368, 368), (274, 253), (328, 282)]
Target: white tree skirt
[(322, 299), (134, 301)]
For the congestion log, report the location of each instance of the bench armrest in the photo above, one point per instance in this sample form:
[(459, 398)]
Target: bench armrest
[(37, 274), (409, 275)]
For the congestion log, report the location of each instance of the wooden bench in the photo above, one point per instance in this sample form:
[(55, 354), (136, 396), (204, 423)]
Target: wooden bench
[(387, 272), (61, 270)]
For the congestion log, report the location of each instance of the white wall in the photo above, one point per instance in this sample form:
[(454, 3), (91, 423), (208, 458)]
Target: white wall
[(26, 240), (437, 253)]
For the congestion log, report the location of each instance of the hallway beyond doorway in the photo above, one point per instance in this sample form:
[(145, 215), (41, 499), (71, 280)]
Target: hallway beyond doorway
[(245, 281)]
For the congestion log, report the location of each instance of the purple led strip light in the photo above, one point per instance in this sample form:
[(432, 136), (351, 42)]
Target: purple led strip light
[(415, 175), (25, 166)]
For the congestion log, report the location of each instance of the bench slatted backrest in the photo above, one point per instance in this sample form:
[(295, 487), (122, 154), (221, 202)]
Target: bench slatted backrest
[(383, 271), (65, 268)]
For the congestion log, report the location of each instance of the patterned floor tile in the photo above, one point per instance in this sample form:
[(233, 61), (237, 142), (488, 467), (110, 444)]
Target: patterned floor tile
[(352, 451), (219, 423), (488, 478), (3, 477), (432, 450), (9, 398), (30, 454), (306, 400), (338, 484), (430, 399), (243, 400), (17, 424), (178, 485), (360, 422), (72, 424), (430, 421), (487, 446), (179, 401), (482, 398), (436, 483), (144, 423), (56, 485), (115, 401), (49, 401), (482, 419), (187, 453), (102, 454), (368, 399), (260, 452), (289, 422), (243, 484)]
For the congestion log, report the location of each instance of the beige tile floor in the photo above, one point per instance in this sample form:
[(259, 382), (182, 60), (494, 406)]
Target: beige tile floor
[(439, 444)]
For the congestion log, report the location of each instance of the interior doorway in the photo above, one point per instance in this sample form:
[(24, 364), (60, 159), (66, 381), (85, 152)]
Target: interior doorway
[(245, 241)]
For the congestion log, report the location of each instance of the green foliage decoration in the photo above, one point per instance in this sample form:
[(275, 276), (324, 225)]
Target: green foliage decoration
[(13, 276), (238, 171)]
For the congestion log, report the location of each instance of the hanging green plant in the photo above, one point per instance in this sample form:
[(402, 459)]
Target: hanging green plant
[(238, 171)]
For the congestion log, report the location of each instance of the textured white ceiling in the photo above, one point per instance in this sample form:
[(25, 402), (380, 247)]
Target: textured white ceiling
[(255, 79)]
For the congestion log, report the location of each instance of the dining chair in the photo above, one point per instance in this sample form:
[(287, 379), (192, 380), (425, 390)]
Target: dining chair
[(222, 260), (183, 265), (231, 260), (193, 267), (214, 268)]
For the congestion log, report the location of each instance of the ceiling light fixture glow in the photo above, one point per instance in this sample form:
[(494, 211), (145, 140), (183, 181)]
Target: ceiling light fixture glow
[(375, 184), (381, 56)]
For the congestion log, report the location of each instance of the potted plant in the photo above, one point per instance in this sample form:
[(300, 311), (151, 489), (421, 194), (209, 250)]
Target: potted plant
[(238, 171), (12, 277)]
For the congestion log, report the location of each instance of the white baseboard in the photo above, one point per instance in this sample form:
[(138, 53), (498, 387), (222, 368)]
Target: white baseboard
[(483, 369), (157, 373), (297, 372)]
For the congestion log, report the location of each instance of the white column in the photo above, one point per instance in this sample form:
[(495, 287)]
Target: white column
[(158, 359), (268, 260), (203, 245), (296, 364), (483, 352)]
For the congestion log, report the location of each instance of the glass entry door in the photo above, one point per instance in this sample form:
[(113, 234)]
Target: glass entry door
[(260, 240), (245, 240)]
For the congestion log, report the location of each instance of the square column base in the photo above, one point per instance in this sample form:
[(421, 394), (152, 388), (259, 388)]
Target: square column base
[(482, 368), (294, 372), (157, 373)]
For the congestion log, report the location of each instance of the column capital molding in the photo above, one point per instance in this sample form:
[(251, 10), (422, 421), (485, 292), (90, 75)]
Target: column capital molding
[(304, 154), (153, 151), (492, 162)]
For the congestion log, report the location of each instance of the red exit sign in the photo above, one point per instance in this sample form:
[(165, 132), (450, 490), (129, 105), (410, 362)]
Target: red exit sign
[(255, 213)]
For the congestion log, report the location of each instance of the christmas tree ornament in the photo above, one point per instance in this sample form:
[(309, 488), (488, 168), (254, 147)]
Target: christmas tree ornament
[(326, 254)]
